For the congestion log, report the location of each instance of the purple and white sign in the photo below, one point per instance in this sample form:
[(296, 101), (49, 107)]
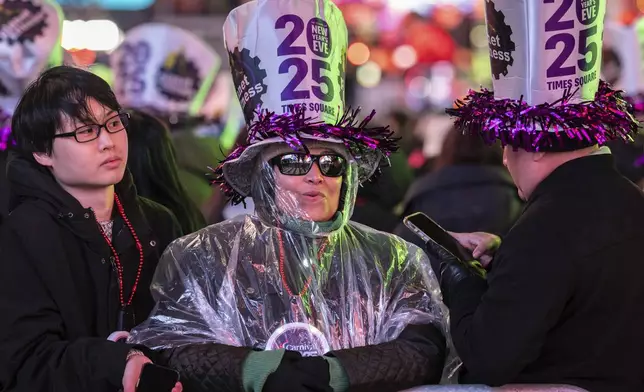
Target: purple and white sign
[(541, 48), (163, 67), (289, 58), (300, 337), (30, 31)]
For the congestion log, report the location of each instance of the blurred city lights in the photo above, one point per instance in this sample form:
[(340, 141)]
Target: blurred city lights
[(420, 5), (358, 53), (369, 74), (443, 74), (404, 57), (640, 5), (419, 87), (95, 35), (478, 36)]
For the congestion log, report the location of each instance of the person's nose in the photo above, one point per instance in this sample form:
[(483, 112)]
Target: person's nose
[(105, 141), (314, 176)]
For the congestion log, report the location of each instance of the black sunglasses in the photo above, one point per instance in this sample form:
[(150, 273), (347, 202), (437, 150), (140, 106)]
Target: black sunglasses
[(295, 164), (90, 132)]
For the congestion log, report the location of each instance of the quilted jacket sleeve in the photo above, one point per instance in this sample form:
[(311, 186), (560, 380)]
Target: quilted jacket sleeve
[(415, 358), (207, 367)]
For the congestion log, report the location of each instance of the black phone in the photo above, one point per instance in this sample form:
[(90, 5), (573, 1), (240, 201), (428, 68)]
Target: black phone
[(428, 230), (155, 378)]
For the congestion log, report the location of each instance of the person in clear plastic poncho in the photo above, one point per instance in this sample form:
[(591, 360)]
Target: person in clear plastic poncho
[(297, 297)]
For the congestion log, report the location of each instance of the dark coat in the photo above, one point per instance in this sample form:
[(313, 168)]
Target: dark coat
[(4, 187), (59, 295), (563, 302), (464, 199), (627, 158)]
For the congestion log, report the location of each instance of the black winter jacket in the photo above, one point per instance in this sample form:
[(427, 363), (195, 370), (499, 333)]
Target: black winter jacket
[(59, 295), (563, 302)]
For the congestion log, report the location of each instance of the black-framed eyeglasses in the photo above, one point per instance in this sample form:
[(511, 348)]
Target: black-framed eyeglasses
[(297, 164), (90, 132)]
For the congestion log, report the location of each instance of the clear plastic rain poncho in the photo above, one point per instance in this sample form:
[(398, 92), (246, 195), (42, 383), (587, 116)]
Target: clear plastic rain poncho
[(277, 280)]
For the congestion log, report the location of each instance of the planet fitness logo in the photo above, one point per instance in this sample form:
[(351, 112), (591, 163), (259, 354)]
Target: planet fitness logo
[(178, 78), (300, 337), (248, 77), (501, 45), (21, 21)]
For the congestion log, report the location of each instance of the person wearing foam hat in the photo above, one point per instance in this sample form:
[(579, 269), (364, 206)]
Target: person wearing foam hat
[(30, 33), (622, 67), (168, 72), (561, 303), (297, 297)]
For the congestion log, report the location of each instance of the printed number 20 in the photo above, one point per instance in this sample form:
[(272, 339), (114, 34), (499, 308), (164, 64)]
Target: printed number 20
[(286, 48), (555, 23)]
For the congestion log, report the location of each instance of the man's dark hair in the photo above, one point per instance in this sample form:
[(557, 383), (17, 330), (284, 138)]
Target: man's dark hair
[(59, 92)]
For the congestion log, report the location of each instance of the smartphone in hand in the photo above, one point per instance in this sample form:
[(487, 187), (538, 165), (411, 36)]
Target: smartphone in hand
[(428, 230), (155, 378)]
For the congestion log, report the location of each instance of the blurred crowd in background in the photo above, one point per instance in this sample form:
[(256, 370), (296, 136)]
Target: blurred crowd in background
[(407, 59)]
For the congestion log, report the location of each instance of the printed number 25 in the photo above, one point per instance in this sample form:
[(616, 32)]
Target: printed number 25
[(301, 70), (555, 23)]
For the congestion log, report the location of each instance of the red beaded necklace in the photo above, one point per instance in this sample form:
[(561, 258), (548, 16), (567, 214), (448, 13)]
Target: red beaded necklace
[(281, 265), (117, 260)]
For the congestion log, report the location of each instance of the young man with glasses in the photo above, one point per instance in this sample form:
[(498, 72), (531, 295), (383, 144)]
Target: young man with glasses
[(79, 247)]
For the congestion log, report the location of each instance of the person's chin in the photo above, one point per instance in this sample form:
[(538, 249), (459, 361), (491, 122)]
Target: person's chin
[(112, 178), (320, 215)]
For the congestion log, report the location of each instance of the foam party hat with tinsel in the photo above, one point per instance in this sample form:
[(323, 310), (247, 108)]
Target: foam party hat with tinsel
[(164, 69), (548, 95), (288, 59), (30, 33)]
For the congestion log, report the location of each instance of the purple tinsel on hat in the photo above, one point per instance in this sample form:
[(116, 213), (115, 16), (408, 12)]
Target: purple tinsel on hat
[(556, 126), (292, 127)]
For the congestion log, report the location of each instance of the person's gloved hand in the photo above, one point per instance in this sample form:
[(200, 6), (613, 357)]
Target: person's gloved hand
[(299, 374), (451, 269)]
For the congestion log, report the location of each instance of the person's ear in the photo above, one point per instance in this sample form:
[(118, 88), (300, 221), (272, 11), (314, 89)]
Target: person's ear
[(538, 156), (43, 158)]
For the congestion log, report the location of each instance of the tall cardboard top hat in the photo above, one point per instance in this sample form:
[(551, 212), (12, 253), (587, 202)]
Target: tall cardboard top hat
[(623, 60), (30, 34), (164, 69), (548, 95), (288, 62)]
